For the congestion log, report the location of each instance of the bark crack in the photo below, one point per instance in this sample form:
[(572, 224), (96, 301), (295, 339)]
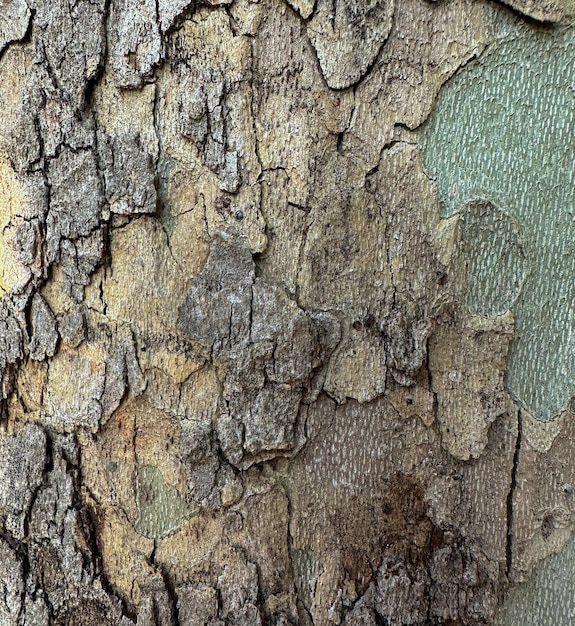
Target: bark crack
[(511, 495)]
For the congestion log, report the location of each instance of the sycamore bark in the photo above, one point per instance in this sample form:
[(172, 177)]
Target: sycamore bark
[(240, 379)]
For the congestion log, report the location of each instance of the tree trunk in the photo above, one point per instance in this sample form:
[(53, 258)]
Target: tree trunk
[(286, 311)]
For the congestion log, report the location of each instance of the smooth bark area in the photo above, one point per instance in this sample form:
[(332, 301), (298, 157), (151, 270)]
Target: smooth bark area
[(285, 312)]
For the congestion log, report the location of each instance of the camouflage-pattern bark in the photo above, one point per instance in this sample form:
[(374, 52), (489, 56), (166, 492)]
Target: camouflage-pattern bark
[(242, 377)]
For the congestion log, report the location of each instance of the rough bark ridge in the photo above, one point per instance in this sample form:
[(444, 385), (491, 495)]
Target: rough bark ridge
[(241, 380)]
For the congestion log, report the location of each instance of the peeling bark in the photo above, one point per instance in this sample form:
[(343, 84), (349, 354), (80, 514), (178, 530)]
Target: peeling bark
[(253, 363)]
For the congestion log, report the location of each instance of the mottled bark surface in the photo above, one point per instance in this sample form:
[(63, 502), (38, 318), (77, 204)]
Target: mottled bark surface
[(254, 336)]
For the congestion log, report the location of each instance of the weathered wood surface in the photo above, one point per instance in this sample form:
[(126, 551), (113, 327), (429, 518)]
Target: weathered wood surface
[(254, 346)]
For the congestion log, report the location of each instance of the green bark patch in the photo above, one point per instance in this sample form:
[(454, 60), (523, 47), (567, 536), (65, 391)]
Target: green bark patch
[(547, 597), (161, 508), (500, 143)]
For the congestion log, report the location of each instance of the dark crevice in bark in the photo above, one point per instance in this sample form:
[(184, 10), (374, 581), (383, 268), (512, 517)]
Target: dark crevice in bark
[(92, 83), (379, 621), (402, 126), (511, 495), (435, 404), (233, 24), (339, 142), (354, 106), (41, 164), (393, 300), (313, 11), (159, 188), (399, 128), (153, 78), (171, 591)]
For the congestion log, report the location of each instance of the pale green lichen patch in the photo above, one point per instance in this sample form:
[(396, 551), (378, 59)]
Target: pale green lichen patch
[(161, 508), (547, 597), (500, 143)]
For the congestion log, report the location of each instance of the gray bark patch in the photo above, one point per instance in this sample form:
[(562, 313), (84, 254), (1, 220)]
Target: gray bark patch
[(266, 349)]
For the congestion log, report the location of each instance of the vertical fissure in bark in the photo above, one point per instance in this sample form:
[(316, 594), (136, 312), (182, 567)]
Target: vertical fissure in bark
[(435, 401), (511, 495), (170, 590)]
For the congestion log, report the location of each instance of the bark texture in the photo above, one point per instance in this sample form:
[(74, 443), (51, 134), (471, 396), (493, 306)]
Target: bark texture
[(253, 360)]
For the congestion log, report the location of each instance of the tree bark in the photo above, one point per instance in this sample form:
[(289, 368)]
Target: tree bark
[(272, 348)]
